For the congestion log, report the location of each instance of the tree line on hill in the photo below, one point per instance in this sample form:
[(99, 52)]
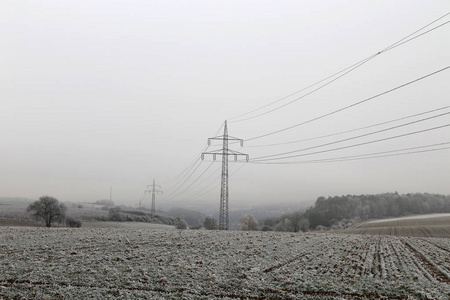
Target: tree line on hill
[(336, 212), (342, 211)]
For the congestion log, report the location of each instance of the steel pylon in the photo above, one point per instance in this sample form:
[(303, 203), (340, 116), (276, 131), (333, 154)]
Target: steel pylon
[(154, 191), (225, 152)]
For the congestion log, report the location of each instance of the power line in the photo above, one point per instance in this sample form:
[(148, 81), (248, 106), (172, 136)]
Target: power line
[(192, 173), (191, 183), (355, 137), (353, 67), (352, 130), (350, 106), (215, 180), (201, 193), (342, 72), (186, 171), (364, 156), (405, 39), (354, 145)]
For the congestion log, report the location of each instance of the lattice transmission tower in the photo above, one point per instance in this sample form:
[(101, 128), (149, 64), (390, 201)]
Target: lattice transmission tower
[(154, 191), (225, 152)]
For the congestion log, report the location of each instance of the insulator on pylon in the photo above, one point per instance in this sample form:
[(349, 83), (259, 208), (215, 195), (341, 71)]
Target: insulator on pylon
[(203, 156), (247, 157), (242, 143), (214, 156)]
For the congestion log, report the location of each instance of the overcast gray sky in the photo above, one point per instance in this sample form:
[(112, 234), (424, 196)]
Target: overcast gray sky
[(100, 94)]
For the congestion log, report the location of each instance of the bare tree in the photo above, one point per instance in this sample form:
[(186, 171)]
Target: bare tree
[(248, 222), (49, 209)]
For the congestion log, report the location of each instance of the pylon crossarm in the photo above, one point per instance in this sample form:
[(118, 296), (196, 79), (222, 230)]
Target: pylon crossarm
[(220, 152), (232, 152), (156, 185), (228, 137)]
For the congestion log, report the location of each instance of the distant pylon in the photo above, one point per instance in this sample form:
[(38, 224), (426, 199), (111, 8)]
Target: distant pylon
[(225, 152), (154, 191)]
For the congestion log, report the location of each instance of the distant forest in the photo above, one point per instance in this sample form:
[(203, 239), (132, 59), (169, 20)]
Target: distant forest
[(342, 211)]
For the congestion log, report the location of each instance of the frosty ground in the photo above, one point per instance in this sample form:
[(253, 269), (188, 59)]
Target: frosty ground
[(88, 263)]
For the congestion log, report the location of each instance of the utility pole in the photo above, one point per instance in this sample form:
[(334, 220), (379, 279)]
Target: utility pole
[(154, 191), (140, 201), (225, 152)]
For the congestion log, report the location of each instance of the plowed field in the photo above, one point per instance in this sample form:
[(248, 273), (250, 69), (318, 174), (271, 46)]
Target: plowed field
[(101, 263), (435, 225)]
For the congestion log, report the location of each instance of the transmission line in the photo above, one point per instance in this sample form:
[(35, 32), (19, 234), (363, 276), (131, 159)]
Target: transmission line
[(313, 91), (201, 193), (350, 106), (351, 130), (342, 72), (364, 156), (355, 137), (350, 146), (186, 171), (177, 195), (204, 191), (189, 176)]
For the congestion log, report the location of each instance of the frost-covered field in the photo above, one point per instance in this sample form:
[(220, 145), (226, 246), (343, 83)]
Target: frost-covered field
[(101, 263), (433, 225), (415, 217)]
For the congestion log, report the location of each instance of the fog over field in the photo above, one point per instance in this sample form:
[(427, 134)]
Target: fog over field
[(101, 94)]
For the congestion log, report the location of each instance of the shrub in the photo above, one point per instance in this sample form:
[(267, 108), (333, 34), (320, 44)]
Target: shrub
[(73, 223), (210, 223), (114, 214), (266, 228), (181, 224)]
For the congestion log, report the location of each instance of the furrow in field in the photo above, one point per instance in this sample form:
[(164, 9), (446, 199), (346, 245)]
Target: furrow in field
[(437, 256), (368, 264), (300, 253), (395, 264), (412, 269), (426, 263), (435, 244)]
